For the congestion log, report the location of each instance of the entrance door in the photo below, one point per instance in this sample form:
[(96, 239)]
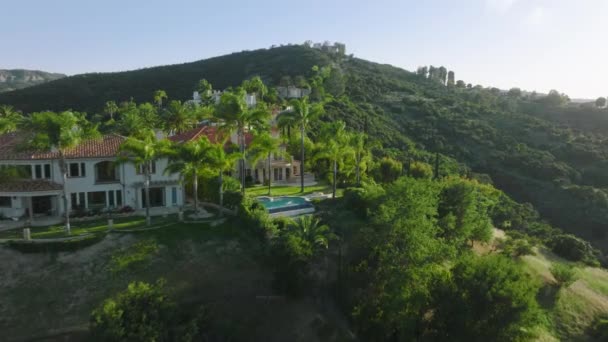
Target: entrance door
[(157, 197), (41, 205)]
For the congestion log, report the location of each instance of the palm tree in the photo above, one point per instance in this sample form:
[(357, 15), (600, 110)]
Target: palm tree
[(62, 132), (301, 115), (309, 229), (10, 119), (110, 108), (236, 116), (263, 146), (178, 118), (159, 96), (143, 153), (190, 158), (335, 148), (358, 141), (222, 162)]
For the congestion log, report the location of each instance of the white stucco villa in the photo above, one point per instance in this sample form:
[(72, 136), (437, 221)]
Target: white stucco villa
[(95, 181)]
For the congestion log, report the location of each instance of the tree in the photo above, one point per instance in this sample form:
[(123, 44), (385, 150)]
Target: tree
[(489, 298), (463, 213), (142, 153), (143, 312), (460, 84), (442, 75), (263, 146), (238, 118), (422, 71), (159, 96), (178, 118), (61, 131), (190, 158), (420, 170), (514, 92), (256, 86), (221, 161), (309, 229), (358, 141), (600, 102), (301, 115), (388, 170), (335, 83), (335, 148), (110, 108), (451, 77), (564, 274), (10, 119)]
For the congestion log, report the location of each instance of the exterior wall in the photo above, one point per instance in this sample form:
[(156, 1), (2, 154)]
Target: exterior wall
[(129, 184)]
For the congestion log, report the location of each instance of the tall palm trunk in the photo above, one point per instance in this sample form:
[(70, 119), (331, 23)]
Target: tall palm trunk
[(302, 158), (147, 194), (195, 185), (333, 195), (269, 166), (221, 194), (242, 161), (358, 169), (64, 172)]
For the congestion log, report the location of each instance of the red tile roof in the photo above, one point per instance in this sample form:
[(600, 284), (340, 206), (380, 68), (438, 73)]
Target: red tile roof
[(211, 132), (106, 146), (29, 186)]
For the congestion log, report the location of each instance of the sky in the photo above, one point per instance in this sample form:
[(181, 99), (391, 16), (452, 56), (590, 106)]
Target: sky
[(532, 44)]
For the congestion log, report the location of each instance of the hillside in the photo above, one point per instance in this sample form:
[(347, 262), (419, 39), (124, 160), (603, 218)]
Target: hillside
[(534, 148), (88, 92), (19, 78)]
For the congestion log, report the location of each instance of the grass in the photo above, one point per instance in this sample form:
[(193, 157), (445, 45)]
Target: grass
[(283, 190), (80, 228), (573, 308)]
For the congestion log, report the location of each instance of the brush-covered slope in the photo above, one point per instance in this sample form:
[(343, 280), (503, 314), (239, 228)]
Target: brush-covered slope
[(89, 92), (20, 78)]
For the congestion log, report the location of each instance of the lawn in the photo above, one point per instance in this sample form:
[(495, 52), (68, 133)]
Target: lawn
[(282, 190), (86, 227)]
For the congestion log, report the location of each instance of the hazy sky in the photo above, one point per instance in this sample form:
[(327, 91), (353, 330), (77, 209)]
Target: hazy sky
[(532, 44)]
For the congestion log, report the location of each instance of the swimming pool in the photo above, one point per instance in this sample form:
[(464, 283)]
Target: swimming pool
[(284, 204)]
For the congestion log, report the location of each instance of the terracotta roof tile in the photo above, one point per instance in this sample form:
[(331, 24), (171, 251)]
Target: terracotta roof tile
[(106, 146), (29, 186)]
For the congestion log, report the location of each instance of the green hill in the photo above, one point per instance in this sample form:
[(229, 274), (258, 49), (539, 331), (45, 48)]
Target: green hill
[(19, 78), (536, 148), (88, 92)]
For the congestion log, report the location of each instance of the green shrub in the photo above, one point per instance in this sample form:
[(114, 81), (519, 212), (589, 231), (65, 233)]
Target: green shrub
[(421, 170), (256, 218), (564, 274), (574, 249), (387, 170), (363, 200), (143, 312)]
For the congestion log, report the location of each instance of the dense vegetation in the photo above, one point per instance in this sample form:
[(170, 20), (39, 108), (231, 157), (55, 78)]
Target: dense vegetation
[(419, 157)]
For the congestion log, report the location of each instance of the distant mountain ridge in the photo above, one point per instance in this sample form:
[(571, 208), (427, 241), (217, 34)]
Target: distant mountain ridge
[(21, 78)]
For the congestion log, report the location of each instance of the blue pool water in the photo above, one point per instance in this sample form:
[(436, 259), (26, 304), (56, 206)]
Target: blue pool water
[(277, 204)]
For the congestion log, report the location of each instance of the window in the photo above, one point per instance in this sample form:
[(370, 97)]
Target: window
[(24, 171), (140, 169), (105, 172), (81, 200), (74, 200), (111, 198), (97, 199), (76, 170), (42, 171), (118, 198), (47, 171), (5, 202), (174, 196)]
